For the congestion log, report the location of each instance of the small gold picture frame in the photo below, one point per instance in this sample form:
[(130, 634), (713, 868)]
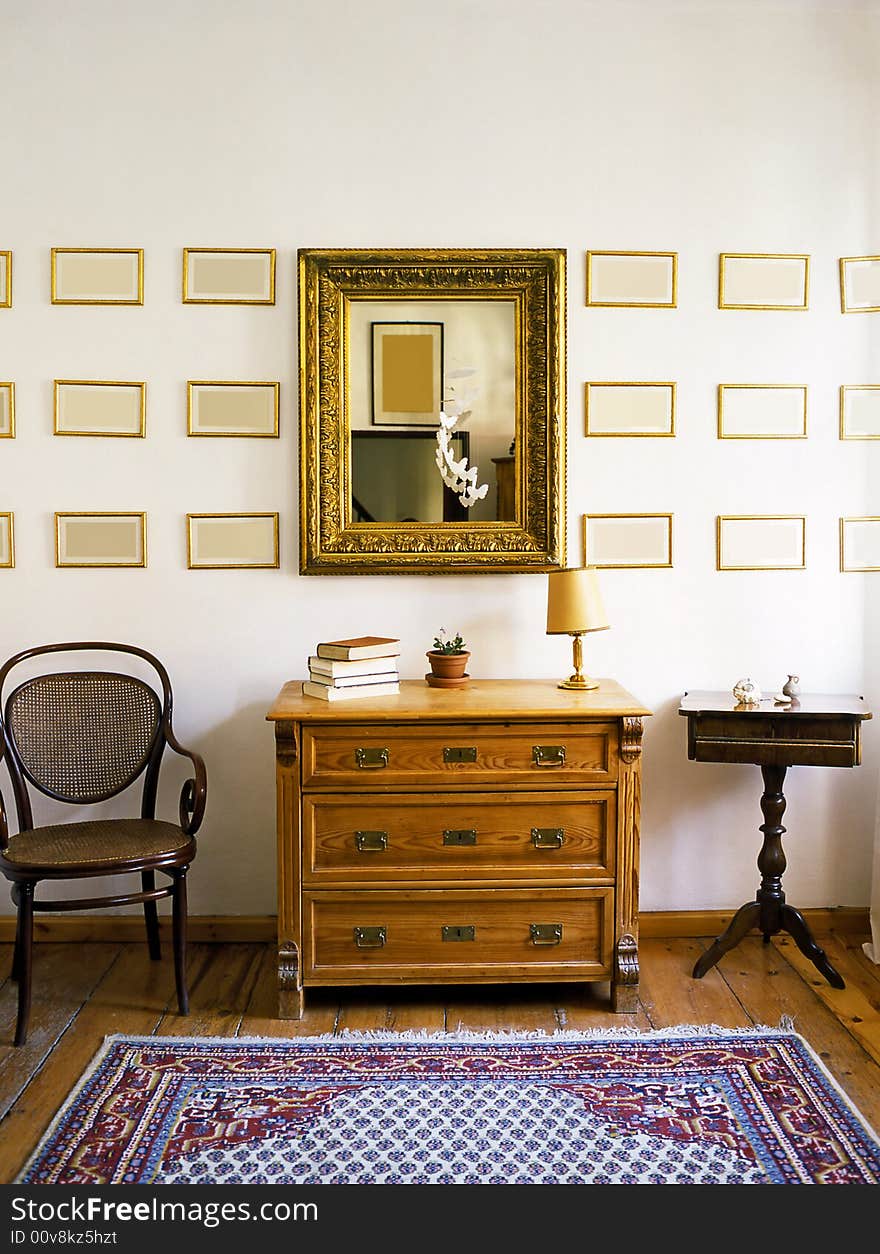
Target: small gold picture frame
[(860, 411), (100, 407), (762, 411), (5, 279), (215, 407), (764, 281), (627, 541), (100, 539), (859, 544), (622, 279), (7, 541), (232, 541), (760, 542), (7, 411), (97, 276), (629, 409), (860, 284), (229, 276)]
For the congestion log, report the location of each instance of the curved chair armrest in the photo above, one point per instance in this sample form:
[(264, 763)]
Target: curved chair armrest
[(194, 794)]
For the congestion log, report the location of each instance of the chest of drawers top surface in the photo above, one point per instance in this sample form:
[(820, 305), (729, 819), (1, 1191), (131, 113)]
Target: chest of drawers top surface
[(482, 699)]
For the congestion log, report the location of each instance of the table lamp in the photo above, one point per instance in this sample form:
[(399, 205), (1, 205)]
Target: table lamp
[(574, 606)]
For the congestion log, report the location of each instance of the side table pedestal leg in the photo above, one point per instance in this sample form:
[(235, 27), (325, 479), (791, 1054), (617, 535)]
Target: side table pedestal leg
[(795, 924), (740, 925)]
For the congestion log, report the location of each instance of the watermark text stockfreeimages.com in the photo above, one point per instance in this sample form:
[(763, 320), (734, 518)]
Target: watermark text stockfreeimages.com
[(99, 1210)]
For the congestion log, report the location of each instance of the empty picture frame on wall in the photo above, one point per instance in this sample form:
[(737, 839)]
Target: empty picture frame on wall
[(860, 411), (100, 539), (637, 409), (763, 281), (5, 280), (232, 541), (760, 542), (229, 276), (97, 276), (860, 284), (100, 407), (762, 411), (7, 411), (859, 544), (218, 408), (635, 541), (643, 280), (7, 542)]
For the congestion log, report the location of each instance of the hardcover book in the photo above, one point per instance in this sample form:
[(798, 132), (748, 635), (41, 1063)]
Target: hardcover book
[(353, 681), (360, 666), (326, 692), (359, 647)]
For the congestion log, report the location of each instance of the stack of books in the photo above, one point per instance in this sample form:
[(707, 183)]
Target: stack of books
[(363, 667)]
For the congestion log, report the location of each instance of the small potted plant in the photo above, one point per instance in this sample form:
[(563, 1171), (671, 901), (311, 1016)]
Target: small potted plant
[(448, 659)]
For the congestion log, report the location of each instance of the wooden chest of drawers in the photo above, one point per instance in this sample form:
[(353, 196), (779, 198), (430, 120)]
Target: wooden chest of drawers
[(482, 835)]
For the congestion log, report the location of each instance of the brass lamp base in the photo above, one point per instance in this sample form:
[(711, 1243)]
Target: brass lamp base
[(578, 681)]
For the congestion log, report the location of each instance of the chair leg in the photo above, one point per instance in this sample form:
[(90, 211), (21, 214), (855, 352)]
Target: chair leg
[(178, 925), (24, 952), (151, 916), (16, 952)]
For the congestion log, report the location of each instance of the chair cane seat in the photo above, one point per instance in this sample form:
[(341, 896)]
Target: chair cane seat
[(101, 841)]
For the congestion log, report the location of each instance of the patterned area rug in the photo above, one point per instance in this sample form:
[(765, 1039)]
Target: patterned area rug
[(690, 1105)]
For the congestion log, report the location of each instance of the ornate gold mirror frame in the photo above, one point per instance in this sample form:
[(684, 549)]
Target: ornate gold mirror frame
[(330, 280)]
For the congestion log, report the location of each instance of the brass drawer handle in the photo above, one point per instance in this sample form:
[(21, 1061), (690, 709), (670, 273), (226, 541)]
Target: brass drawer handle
[(545, 933), (371, 759), (464, 753), (369, 937), (459, 836), (466, 933), (371, 842), (549, 755), (548, 837)]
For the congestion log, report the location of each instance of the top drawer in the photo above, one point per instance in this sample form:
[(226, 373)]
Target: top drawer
[(765, 739), (464, 755)]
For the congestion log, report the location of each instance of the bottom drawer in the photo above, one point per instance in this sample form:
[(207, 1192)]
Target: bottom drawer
[(425, 936)]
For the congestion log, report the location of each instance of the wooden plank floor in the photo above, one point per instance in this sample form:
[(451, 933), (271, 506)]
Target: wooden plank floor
[(84, 992)]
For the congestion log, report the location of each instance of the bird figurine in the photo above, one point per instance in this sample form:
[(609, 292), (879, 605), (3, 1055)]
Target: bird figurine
[(747, 692)]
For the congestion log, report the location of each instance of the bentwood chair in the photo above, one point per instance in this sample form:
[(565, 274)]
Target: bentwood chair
[(82, 737)]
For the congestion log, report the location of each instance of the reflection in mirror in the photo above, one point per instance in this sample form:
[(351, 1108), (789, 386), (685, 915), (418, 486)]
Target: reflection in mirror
[(408, 362), (394, 478)]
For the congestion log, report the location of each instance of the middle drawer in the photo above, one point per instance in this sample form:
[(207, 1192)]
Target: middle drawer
[(369, 837)]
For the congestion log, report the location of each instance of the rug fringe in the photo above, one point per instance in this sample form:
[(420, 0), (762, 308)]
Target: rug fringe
[(467, 1036)]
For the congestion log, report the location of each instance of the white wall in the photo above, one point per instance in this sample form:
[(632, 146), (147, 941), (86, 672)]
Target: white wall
[(701, 127)]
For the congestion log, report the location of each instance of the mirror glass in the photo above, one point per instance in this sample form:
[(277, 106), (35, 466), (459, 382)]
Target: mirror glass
[(408, 360), (432, 399)]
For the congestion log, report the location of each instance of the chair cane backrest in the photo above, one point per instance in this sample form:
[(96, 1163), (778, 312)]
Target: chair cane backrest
[(82, 736)]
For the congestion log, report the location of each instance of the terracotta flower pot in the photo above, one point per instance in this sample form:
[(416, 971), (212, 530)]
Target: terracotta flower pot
[(448, 670)]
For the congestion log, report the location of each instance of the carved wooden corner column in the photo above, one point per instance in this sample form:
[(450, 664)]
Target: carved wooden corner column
[(290, 992), (625, 983)]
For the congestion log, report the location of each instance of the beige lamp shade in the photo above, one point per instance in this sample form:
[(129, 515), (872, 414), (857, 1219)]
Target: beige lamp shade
[(574, 602)]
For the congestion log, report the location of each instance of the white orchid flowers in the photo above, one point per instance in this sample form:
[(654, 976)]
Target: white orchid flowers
[(457, 475)]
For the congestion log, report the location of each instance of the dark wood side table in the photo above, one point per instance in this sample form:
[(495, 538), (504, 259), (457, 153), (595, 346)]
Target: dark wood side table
[(812, 731)]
